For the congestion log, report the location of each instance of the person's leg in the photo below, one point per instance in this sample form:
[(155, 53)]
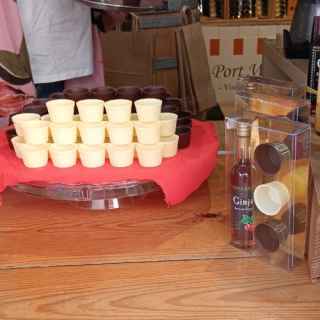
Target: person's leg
[(45, 89)]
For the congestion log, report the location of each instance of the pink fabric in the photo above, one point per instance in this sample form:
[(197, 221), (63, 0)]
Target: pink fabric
[(178, 177), (11, 34), (10, 40)]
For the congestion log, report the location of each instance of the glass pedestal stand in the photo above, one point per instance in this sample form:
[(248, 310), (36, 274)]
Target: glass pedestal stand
[(95, 197)]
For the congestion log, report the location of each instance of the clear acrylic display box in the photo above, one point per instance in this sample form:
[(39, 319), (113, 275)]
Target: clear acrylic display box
[(272, 87), (267, 170), (293, 108)]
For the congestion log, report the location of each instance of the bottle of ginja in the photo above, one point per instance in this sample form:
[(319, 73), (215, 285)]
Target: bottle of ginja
[(242, 218)]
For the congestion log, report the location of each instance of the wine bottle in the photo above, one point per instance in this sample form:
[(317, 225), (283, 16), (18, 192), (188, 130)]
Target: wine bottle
[(242, 219)]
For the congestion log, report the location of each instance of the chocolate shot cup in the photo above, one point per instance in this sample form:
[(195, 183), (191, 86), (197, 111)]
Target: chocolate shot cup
[(271, 156), (158, 92), (184, 134), (271, 234), (104, 93), (56, 95), (77, 94), (172, 104), (36, 106)]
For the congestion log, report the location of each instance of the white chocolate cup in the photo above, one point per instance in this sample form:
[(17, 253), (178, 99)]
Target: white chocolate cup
[(149, 155), (92, 132), (92, 156), (168, 124), (118, 110), (148, 109), (271, 197), (63, 155), (64, 133), (91, 110), (17, 142), (35, 131), (147, 132), (19, 118), (120, 133), (120, 155), (61, 110), (34, 156), (169, 146)]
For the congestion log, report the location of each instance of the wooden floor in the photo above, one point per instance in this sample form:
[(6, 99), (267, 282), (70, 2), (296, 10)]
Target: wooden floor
[(142, 262)]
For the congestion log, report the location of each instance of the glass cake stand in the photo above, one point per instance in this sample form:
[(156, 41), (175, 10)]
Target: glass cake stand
[(96, 197)]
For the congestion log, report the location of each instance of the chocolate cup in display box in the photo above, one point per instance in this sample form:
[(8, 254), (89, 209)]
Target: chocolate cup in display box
[(276, 153)]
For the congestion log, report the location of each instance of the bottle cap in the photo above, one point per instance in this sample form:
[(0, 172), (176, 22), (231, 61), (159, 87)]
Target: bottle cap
[(244, 128)]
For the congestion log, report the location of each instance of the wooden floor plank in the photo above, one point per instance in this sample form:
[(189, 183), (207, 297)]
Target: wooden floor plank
[(230, 289)]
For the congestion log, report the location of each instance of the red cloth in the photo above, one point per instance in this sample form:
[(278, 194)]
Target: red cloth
[(178, 177)]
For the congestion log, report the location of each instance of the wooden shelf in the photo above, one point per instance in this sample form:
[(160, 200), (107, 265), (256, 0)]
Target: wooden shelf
[(244, 22)]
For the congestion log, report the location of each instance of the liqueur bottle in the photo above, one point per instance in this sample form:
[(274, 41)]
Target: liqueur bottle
[(236, 9), (313, 71), (259, 8), (213, 9), (247, 9), (242, 218)]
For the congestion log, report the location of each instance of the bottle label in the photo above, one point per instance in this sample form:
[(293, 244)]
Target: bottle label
[(242, 208)]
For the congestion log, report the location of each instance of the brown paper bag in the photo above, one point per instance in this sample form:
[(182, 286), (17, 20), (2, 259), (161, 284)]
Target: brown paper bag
[(127, 58), (199, 66)]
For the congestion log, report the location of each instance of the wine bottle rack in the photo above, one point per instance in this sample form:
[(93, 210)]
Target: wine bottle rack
[(249, 9)]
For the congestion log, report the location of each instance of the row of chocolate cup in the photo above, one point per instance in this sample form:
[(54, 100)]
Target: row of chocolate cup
[(94, 156), (108, 93), (36, 131)]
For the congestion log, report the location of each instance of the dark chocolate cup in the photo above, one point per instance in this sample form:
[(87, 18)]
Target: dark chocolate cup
[(158, 92), (10, 133), (173, 101), (169, 108), (57, 95), (36, 106), (104, 93), (77, 94), (184, 134), (271, 234), (129, 92), (270, 157), (184, 119)]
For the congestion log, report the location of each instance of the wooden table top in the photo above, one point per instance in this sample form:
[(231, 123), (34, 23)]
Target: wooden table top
[(143, 262)]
